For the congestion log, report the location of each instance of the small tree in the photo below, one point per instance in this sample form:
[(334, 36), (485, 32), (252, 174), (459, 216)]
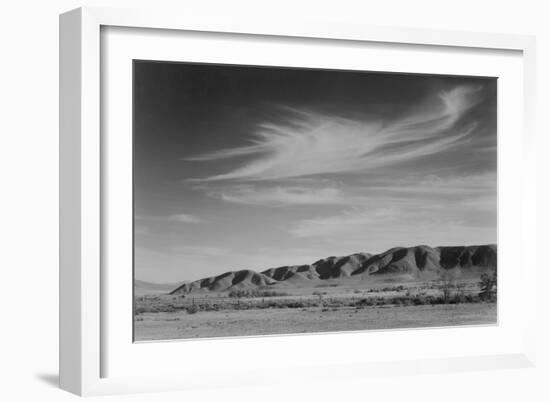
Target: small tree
[(446, 288), (448, 283), (488, 285)]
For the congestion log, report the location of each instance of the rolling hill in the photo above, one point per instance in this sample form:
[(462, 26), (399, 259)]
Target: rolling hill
[(417, 262)]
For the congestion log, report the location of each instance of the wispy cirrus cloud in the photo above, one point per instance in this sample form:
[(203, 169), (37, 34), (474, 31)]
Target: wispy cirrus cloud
[(430, 204), (422, 219), (186, 218), (309, 143), (360, 192), (181, 218), (279, 196), (459, 186), (347, 222)]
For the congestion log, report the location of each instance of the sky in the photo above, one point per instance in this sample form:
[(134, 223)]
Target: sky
[(242, 167)]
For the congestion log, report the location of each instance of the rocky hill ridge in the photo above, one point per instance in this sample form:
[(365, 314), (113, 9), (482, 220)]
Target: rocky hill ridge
[(417, 262)]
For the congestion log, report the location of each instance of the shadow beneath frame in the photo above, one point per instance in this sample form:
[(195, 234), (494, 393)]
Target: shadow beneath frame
[(49, 379)]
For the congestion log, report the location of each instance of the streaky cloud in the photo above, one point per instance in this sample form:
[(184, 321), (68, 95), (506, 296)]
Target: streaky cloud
[(346, 222), (279, 196), (186, 218), (309, 143), (182, 218)]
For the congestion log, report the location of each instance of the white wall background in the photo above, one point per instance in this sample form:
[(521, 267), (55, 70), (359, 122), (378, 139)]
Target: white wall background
[(29, 187)]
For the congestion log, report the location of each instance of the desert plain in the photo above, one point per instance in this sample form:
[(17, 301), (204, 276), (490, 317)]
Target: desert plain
[(401, 288)]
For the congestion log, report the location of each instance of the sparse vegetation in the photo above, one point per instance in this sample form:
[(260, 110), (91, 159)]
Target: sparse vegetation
[(397, 288), (419, 300), (241, 303), (255, 294), (446, 291)]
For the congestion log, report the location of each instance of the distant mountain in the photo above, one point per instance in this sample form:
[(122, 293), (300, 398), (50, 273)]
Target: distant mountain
[(241, 279), (145, 287), (415, 262)]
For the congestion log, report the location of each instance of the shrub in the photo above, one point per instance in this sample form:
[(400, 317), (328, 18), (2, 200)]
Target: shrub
[(403, 301), (365, 302), (272, 294), (295, 304), (488, 285), (192, 309), (393, 288), (472, 298), (460, 298), (255, 294), (420, 300), (488, 296)]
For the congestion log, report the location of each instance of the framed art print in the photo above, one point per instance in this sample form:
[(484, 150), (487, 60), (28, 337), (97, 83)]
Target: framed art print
[(255, 192), (246, 177)]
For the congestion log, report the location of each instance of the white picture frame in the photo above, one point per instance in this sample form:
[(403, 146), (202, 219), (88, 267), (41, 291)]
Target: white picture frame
[(85, 346)]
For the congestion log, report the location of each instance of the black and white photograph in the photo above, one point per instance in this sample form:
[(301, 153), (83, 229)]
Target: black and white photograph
[(275, 200)]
